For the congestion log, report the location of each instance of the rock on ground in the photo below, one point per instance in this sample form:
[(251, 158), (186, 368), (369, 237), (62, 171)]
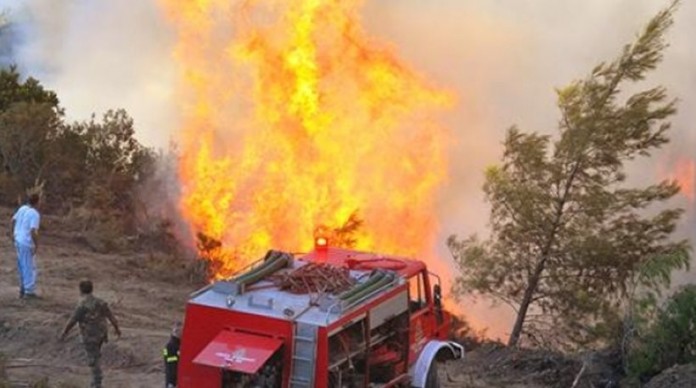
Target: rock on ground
[(679, 376)]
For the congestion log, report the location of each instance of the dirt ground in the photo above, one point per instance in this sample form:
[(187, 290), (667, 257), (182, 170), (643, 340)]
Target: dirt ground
[(136, 286), (493, 365)]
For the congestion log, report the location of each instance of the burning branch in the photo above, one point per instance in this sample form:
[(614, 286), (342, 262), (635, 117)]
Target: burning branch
[(344, 236), (210, 250)]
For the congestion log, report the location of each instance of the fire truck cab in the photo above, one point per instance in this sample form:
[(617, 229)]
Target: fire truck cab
[(385, 328)]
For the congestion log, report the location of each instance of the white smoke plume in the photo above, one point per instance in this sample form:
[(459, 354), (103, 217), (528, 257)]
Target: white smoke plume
[(99, 55)]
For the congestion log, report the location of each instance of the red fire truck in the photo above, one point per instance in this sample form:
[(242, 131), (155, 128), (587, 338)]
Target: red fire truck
[(384, 327)]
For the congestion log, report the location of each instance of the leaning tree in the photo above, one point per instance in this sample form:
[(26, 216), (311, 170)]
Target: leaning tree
[(568, 235)]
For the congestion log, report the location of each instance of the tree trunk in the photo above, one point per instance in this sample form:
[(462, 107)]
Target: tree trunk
[(539, 269), (524, 305)]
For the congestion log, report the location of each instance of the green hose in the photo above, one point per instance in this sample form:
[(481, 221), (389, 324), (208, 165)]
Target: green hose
[(374, 278), (270, 257), (266, 270), (365, 291), (274, 261)]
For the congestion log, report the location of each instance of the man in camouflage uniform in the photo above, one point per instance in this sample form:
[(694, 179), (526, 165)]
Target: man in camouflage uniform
[(91, 314)]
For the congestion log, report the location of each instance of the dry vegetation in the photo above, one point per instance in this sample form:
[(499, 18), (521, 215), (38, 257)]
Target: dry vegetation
[(147, 292)]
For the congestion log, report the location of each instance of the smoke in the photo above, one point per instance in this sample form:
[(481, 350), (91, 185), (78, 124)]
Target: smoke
[(98, 55), (502, 58), (7, 39)]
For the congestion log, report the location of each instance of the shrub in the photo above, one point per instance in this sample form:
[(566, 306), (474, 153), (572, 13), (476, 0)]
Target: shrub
[(669, 340)]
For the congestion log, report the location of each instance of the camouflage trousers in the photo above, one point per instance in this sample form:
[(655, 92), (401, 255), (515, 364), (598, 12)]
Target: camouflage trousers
[(93, 350)]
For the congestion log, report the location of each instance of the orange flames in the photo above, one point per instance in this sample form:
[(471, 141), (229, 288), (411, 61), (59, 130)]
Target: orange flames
[(295, 119), (685, 176)]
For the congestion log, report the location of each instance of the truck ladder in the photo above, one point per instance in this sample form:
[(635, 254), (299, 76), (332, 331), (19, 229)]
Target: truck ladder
[(304, 352)]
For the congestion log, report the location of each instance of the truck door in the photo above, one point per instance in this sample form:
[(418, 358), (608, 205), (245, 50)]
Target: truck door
[(421, 314)]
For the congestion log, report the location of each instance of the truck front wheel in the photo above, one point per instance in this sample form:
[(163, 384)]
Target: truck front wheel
[(432, 380)]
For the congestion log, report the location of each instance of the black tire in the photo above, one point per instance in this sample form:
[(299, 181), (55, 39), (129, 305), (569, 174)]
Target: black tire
[(432, 380)]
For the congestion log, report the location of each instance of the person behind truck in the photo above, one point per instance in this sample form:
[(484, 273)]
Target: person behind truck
[(171, 356), (92, 313)]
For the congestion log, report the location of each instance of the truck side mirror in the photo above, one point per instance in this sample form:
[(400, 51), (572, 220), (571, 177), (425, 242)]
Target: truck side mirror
[(437, 296)]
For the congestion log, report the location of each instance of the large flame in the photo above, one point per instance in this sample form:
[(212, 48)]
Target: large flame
[(297, 121)]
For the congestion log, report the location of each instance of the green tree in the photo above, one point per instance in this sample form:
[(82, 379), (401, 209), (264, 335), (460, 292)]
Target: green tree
[(25, 130), (568, 237), (13, 90), (115, 159), (29, 116), (65, 173)]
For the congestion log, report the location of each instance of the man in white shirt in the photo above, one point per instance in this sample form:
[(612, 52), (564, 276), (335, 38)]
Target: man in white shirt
[(25, 230)]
